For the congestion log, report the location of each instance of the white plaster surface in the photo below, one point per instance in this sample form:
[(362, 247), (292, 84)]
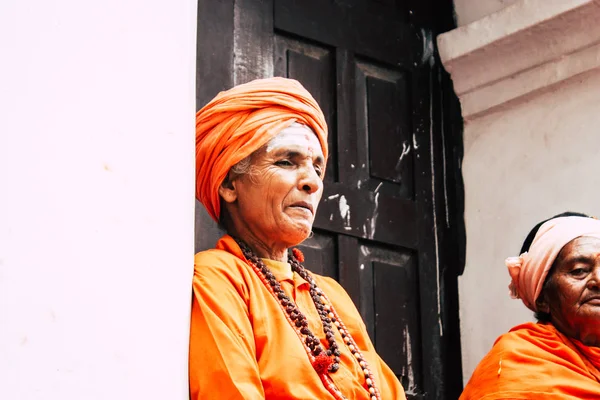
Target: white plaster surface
[(521, 166), (97, 201), (524, 49), (468, 11)]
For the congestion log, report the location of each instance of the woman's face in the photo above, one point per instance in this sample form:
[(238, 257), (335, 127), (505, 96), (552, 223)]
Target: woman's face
[(277, 201), (572, 295)]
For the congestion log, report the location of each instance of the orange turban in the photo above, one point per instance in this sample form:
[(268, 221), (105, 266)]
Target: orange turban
[(240, 121)]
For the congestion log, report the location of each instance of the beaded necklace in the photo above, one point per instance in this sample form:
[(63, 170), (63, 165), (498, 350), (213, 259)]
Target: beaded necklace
[(325, 362)]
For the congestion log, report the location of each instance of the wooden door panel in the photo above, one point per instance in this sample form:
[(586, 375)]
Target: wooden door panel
[(368, 214), (390, 303), (358, 25), (397, 322), (320, 254), (388, 126)]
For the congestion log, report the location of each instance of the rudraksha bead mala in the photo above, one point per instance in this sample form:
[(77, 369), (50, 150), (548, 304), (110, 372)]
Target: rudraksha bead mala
[(324, 361)]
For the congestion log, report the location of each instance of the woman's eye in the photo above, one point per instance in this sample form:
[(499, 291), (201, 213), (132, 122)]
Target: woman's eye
[(578, 271), (319, 171)]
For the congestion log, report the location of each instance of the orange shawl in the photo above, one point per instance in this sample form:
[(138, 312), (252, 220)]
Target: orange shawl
[(535, 361), (241, 120)]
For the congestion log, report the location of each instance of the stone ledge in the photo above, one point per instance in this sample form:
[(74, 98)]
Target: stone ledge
[(523, 50)]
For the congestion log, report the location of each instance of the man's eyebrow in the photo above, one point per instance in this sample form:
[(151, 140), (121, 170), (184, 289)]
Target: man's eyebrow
[(295, 153), (287, 153)]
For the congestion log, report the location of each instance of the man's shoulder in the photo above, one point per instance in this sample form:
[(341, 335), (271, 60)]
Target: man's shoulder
[(217, 261), (212, 255)]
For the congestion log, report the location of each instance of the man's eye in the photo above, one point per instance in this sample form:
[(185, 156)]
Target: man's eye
[(319, 171), (578, 271), (284, 163)]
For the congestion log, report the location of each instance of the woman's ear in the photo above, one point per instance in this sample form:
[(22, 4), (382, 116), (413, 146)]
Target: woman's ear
[(542, 304), (227, 190)]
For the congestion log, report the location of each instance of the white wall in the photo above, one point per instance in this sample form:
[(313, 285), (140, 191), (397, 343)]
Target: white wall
[(97, 201), (468, 11), (521, 166)]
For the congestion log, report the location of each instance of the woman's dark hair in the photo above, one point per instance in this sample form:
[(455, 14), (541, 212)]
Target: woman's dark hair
[(540, 315)]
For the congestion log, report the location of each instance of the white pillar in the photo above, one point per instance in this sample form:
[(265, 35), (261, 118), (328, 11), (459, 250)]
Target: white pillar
[(96, 198)]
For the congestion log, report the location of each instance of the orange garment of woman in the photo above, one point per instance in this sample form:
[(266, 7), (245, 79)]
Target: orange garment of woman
[(535, 361), (243, 347)]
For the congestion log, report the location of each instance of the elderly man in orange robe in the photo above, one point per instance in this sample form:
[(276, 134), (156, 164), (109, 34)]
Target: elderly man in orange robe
[(263, 326)]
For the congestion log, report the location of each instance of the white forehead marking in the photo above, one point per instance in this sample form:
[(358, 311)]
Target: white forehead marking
[(294, 135)]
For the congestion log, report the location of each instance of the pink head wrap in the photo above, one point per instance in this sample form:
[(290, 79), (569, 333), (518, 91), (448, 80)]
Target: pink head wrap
[(529, 270)]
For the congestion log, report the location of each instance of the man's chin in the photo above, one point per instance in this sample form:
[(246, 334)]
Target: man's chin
[(299, 233)]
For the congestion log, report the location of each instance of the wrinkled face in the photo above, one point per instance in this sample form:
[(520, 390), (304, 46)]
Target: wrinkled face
[(572, 295), (278, 199)]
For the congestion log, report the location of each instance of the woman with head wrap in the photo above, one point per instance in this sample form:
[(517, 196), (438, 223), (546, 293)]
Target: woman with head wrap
[(262, 326), (558, 277)]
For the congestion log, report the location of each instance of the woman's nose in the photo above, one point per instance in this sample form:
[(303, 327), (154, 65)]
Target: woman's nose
[(594, 280)]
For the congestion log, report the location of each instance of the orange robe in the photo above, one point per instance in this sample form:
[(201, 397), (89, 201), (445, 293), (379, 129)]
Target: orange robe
[(535, 361), (243, 347)]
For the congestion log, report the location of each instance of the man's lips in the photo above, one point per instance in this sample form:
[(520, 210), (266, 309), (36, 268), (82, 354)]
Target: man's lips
[(303, 204)]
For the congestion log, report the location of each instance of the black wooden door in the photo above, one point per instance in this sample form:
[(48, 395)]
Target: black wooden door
[(371, 66)]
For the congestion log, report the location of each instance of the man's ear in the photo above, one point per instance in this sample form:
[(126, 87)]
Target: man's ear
[(227, 190)]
